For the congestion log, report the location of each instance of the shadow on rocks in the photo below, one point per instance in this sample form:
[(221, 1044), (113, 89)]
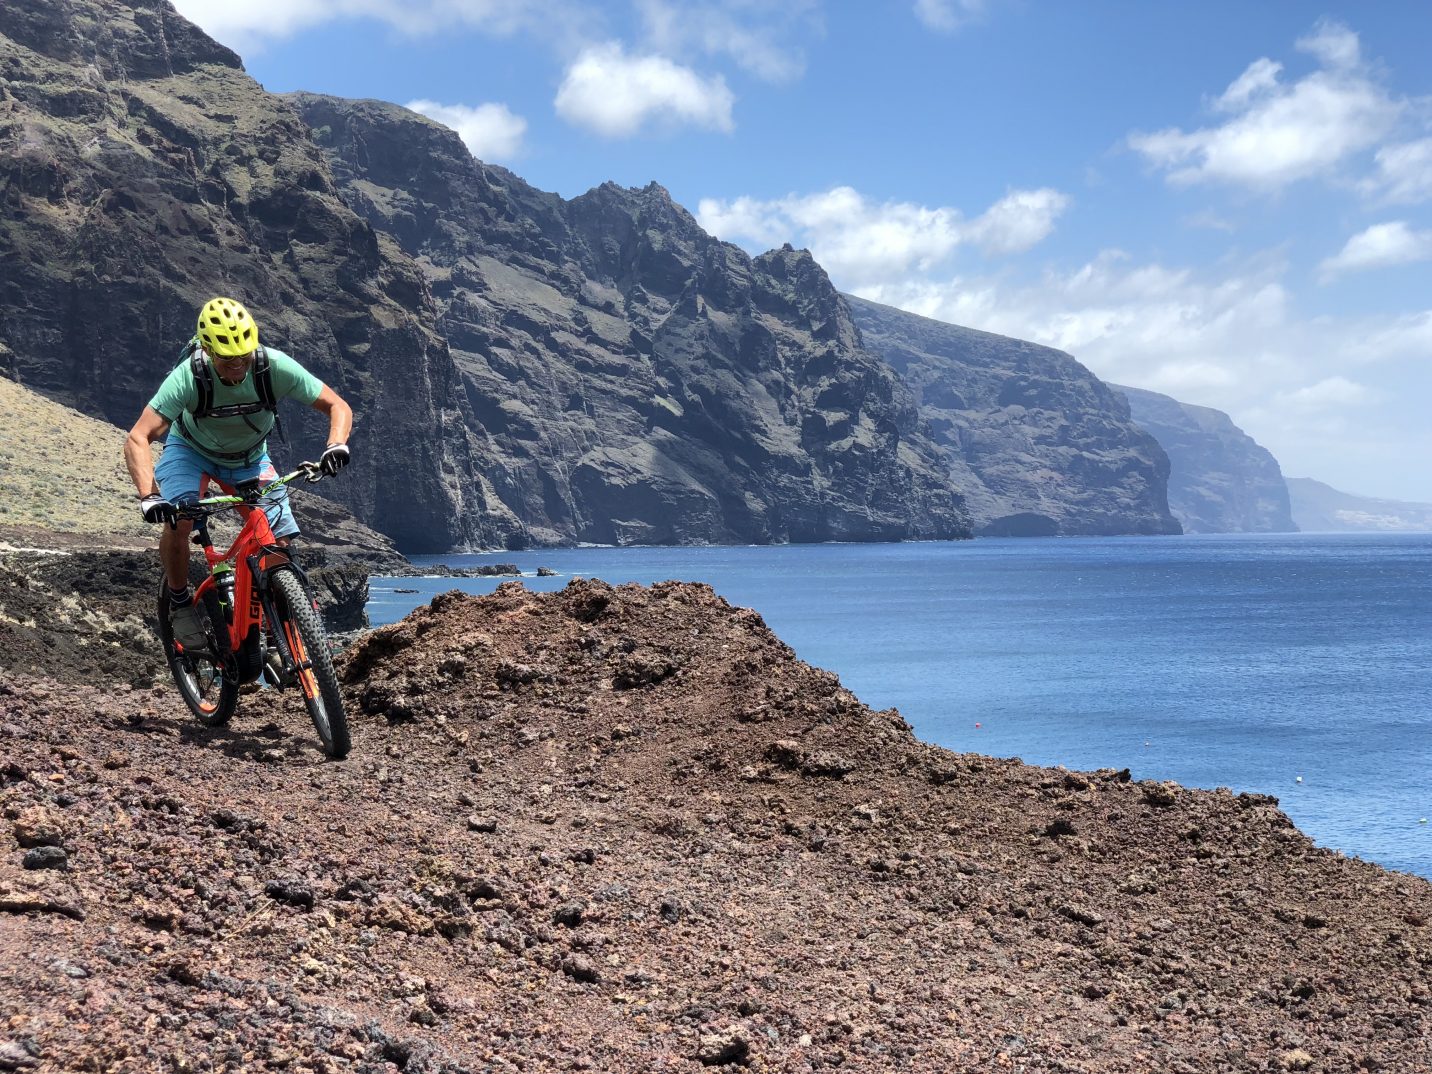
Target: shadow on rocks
[(267, 744)]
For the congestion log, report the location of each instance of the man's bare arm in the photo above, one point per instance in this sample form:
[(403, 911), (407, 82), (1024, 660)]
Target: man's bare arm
[(340, 415), (150, 427)]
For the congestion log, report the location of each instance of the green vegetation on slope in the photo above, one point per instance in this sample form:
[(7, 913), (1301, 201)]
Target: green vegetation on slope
[(63, 471)]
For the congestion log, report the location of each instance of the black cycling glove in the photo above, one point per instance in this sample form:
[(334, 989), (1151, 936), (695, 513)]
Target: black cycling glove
[(334, 458), (157, 509)]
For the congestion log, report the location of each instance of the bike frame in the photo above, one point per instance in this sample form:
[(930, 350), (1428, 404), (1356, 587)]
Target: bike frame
[(254, 555)]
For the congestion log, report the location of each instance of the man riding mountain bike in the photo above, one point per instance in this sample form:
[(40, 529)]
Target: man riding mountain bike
[(214, 412)]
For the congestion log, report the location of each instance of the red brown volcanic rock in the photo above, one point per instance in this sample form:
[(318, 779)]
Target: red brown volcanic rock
[(627, 830)]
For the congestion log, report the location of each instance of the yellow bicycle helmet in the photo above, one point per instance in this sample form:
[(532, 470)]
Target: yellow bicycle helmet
[(225, 328)]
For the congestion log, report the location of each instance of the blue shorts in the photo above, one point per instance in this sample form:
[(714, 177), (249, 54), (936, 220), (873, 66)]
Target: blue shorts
[(182, 471)]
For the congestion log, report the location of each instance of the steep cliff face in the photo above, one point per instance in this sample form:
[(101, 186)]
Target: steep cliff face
[(141, 172), (1221, 480), (540, 370), (1320, 508), (633, 379), (1038, 445)]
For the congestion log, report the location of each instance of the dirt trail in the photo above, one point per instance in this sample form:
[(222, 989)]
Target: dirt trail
[(627, 830)]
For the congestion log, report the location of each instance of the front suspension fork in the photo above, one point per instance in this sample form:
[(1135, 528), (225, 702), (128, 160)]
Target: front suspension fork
[(291, 666)]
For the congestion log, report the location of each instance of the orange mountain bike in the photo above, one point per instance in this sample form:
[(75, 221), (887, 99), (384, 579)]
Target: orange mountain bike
[(262, 620)]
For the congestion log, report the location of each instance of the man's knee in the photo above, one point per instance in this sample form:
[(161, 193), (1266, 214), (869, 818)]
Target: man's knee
[(177, 536)]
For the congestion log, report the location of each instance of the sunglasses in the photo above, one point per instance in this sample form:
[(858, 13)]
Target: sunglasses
[(232, 359)]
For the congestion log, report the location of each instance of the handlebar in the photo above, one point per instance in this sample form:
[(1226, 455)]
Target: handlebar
[(212, 505)]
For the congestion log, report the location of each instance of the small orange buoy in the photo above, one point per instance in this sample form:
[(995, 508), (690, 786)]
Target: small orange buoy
[(977, 726)]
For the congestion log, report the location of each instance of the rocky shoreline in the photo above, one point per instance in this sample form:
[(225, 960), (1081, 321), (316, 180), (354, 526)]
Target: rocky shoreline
[(625, 829), (442, 570)]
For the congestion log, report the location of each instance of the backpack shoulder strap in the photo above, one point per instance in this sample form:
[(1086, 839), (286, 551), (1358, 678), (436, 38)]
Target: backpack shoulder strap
[(263, 380), (263, 385), (203, 379)]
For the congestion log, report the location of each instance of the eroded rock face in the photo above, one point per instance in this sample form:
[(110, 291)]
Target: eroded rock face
[(526, 370), (634, 379), (141, 172), (1038, 445), (1221, 480), (623, 377)]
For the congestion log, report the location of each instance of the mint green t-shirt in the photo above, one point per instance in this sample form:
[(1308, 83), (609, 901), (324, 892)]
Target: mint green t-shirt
[(178, 396)]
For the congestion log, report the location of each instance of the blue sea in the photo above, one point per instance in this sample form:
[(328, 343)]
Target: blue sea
[(1294, 665)]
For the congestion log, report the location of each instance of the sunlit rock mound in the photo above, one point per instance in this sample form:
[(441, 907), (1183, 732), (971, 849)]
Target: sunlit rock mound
[(626, 829), (1220, 480)]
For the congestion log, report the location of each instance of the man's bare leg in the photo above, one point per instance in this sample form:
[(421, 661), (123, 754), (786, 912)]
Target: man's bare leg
[(174, 555)]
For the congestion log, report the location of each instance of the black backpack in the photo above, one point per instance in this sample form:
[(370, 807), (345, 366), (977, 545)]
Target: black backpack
[(204, 407)]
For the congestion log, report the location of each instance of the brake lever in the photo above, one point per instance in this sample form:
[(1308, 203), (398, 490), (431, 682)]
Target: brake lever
[(311, 472)]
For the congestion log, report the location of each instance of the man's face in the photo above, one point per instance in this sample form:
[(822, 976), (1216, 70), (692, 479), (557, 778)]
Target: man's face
[(232, 370)]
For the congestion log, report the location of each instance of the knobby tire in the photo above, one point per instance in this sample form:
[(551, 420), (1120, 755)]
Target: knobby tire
[(307, 641), (209, 694)]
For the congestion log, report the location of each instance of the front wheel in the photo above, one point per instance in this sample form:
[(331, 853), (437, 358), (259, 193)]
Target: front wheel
[(210, 694), (303, 630)]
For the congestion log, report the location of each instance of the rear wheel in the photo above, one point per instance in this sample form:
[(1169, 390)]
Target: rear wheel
[(303, 630), (199, 673)]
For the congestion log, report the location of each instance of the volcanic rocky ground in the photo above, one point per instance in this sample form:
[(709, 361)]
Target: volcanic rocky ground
[(625, 829)]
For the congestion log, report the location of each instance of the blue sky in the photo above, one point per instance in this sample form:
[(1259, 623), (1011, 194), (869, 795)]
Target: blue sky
[(1230, 203)]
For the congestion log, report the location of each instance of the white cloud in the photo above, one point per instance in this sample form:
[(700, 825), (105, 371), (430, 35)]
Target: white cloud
[(491, 131), (617, 95), (755, 36), (1260, 78), (949, 15), (1280, 133), (1232, 338), (1393, 243), (1333, 44), (860, 242), (1209, 220), (1407, 336), (761, 225), (1404, 173), (1330, 393), (1018, 221), (231, 23)]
